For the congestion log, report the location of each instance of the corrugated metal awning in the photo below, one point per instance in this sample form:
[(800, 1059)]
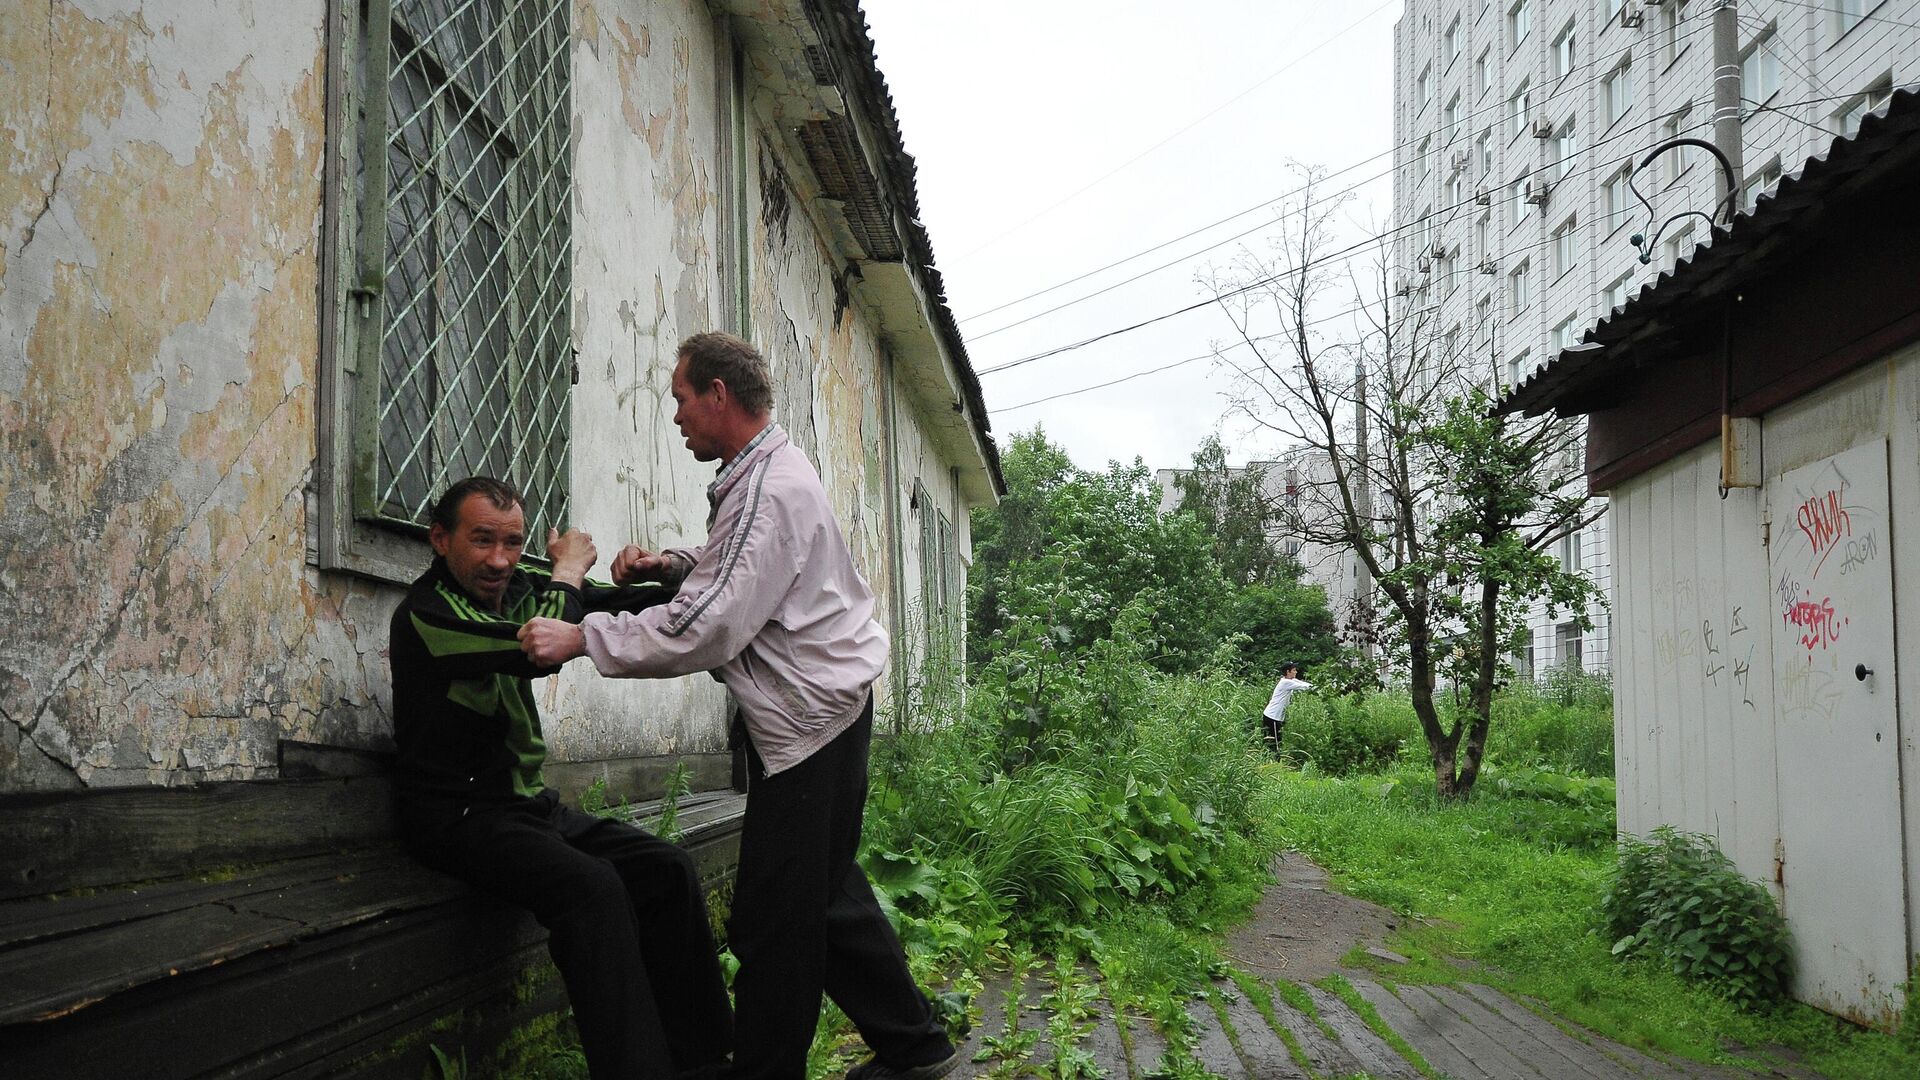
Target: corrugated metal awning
[(1582, 377)]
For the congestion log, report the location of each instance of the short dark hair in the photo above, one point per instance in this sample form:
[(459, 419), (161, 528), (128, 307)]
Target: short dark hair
[(714, 355), (446, 512)]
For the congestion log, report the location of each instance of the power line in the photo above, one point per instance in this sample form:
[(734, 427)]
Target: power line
[(1364, 243), (1567, 87), (1189, 127), (1843, 11), (1504, 256)]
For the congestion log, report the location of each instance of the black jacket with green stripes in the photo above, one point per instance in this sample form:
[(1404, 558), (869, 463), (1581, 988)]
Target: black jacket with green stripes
[(464, 718)]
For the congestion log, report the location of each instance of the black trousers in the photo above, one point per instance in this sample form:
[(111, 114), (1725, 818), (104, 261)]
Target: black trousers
[(805, 921), (626, 921), (1273, 730)]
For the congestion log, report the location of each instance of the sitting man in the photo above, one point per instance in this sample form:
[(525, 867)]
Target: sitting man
[(624, 911)]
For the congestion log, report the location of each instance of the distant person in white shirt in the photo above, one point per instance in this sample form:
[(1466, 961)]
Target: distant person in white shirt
[(1275, 716)]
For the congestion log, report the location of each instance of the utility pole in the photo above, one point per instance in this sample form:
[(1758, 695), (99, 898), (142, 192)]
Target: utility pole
[(1726, 96), (1363, 488)]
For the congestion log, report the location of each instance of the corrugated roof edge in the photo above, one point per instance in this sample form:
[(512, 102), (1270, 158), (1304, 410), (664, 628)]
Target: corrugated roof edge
[(1880, 132), (848, 24)]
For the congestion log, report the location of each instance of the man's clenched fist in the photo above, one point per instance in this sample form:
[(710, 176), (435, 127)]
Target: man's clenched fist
[(551, 642)]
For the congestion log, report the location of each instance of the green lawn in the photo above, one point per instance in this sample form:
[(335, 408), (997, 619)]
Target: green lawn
[(1510, 885)]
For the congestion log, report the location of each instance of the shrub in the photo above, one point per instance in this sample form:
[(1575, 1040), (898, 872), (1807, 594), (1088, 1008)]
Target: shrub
[(1565, 725), (1678, 899), (1341, 736)]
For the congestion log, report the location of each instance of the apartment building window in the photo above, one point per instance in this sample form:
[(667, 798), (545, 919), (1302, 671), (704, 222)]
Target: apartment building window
[(1517, 287), (1450, 119), (1566, 246), (1484, 316), (1619, 197), (1486, 153), (1672, 13), (1570, 552), (1519, 367), (1425, 162), (1483, 235), (1566, 147), (1519, 21), (1566, 332), (1760, 69), (1457, 188), (1453, 348), (1761, 182), (1516, 202), (1446, 273), (1846, 121), (1423, 90), (1563, 49), (465, 366), (1519, 110), (1616, 94), (1614, 8), (1619, 290), (1848, 14), (1680, 158), (1451, 41), (1482, 72), (1680, 244), (1567, 638)]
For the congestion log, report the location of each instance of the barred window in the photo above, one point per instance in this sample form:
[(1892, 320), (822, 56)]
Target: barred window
[(471, 180)]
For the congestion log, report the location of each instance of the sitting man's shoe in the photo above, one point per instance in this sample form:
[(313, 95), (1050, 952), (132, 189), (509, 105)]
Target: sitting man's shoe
[(876, 1069)]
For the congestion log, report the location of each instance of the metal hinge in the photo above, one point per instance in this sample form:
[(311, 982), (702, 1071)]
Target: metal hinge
[(574, 370)]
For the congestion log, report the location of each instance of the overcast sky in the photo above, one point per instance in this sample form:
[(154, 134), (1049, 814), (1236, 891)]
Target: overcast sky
[(1055, 137)]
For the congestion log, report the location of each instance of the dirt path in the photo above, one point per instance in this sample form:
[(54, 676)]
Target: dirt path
[(1298, 933)]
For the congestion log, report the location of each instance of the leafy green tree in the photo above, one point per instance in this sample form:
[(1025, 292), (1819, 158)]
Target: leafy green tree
[(1448, 513), (1284, 620), (1234, 508), (1073, 548)]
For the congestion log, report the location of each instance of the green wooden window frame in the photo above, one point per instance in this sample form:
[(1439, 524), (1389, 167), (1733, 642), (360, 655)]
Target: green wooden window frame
[(454, 237)]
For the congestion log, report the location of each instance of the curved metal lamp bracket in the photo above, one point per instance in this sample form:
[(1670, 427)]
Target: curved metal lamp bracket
[(1647, 243)]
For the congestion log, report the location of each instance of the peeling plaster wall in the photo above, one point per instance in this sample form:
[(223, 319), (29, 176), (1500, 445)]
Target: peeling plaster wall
[(160, 211), (648, 139), (159, 216)]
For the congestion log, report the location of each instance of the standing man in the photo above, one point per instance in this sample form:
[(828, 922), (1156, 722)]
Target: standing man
[(773, 605), (1275, 716), (625, 915)]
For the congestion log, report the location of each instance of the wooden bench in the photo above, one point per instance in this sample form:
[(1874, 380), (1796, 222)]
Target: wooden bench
[(266, 928)]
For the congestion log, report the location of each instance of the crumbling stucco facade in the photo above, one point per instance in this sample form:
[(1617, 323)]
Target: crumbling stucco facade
[(166, 254)]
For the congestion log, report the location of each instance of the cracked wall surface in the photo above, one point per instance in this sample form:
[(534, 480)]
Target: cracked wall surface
[(159, 216), (160, 282)]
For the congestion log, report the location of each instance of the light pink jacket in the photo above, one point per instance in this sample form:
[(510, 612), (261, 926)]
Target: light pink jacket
[(772, 605)]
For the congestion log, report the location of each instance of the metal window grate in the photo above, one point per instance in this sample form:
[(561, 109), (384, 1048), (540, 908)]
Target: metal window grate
[(475, 362)]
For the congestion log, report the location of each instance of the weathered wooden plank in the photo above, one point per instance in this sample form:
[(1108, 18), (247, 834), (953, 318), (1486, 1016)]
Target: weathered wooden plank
[(42, 982), (1266, 1056), (1583, 1059), (1377, 1058), (1539, 1045), (1211, 1047), (1433, 1046), (1327, 1055), (1145, 1045), (1480, 1036), (38, 917), (53, 843), (348, 993)]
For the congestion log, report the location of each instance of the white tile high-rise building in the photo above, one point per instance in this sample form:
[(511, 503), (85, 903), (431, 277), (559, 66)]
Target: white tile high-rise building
[(1517, 124)]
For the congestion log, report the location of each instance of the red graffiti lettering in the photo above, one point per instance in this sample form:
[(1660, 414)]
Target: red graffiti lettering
[(1825, 522), (1817, 621)]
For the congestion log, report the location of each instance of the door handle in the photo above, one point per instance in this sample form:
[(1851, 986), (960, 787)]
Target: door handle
[(1861, 671)]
